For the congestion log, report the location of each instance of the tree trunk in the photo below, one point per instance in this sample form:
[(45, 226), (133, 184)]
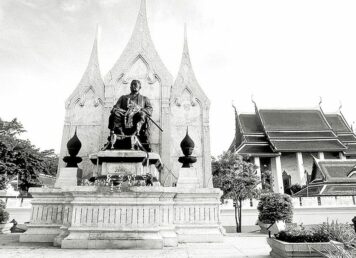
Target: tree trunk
[(236, 219), (240, 215)]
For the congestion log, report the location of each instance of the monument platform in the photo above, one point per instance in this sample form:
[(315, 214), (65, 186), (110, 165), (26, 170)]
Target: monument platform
[(95, 217)]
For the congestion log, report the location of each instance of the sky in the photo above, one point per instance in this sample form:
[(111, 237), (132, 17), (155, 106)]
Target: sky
[(286, 54)]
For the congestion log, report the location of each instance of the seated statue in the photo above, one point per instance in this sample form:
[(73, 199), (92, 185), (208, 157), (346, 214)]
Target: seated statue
[(129, 118)]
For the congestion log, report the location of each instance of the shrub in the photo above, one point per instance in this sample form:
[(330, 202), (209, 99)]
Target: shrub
[(341, 232), (300, 235), (4, 215), (274, 206)]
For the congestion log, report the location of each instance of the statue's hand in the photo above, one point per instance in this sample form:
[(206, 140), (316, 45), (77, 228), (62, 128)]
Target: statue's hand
[(118, 111)]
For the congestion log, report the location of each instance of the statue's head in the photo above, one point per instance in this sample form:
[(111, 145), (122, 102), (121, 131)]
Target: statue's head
[(135, 86)]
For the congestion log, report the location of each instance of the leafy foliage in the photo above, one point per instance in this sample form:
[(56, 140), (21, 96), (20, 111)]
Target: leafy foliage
[(20, 158), (4, 215), (237, 179), (334, 251), (301, 234), (341, 232), (274, 206)]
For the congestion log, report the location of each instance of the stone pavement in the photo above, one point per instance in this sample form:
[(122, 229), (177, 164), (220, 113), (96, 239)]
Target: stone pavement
[(234, 245)]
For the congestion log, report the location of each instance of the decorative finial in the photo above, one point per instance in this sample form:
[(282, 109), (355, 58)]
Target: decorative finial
[(340, 106), (233, 106), (320, 101), (253, 99), (73, 145), (187, 145)]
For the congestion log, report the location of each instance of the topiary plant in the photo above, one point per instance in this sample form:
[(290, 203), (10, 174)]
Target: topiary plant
[(274, 206), (4, 215)]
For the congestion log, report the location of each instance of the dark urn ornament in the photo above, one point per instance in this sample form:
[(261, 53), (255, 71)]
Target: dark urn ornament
[(187, 145), (73, 146)]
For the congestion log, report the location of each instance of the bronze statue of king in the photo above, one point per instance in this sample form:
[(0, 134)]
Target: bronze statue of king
[(129, 120)]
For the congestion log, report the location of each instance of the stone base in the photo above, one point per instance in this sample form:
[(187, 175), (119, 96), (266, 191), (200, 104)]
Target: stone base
[(141, 217), (81, 238), (40, 234), (5, 228), (68, 177), (58, 239), (188, 178), (169, 236), (199, 234)]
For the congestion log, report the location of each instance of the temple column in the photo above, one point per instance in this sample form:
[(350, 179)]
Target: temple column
[(321, 155), (301, 169), (342, 156), (277, 175), (257, 163)]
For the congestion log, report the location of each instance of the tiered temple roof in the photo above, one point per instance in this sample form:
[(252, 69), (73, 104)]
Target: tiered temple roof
[(331, 177), (269, 132)]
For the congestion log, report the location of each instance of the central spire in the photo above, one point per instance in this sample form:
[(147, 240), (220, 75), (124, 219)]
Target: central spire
[(141, 31)]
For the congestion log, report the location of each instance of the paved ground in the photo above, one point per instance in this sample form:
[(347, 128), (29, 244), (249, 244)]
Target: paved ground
[(234, 245)]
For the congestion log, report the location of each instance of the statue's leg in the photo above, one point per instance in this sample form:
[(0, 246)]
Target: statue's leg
[(139, 118)]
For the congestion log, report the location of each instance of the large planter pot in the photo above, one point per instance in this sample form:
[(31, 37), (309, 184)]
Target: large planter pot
[(284, 249), (5, 228), (263, 226)]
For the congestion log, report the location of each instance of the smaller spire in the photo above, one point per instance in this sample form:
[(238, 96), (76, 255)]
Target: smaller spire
[(91, 77)]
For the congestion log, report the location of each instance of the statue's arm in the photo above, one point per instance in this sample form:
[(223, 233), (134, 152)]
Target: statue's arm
[(117, 108), (148, 107)]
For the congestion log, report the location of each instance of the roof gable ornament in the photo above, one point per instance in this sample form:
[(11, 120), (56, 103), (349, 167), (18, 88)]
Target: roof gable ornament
[(91, 80), (320, 101)]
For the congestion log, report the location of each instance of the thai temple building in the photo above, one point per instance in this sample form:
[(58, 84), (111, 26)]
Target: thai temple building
[(290, 142), (331, 177), (177, 104)]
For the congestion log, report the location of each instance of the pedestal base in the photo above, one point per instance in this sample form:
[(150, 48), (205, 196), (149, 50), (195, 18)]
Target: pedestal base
[(81, 238), (199, 234), (40, 234), (68, 177), (188, 178)]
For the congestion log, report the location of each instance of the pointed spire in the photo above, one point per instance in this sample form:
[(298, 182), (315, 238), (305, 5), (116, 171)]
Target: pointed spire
[(141, 31), (91, 77), (185, 46), (186, 75), (92, 73)]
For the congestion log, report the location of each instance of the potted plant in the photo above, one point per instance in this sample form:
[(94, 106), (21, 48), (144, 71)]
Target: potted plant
[(274, 207), (299, 241), (4, 217)]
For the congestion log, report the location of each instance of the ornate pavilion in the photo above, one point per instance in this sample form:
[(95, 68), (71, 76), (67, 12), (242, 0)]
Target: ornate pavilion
[(284, 141)]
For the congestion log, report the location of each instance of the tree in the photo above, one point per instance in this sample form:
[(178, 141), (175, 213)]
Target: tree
[(20, 158), (237, 179)]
